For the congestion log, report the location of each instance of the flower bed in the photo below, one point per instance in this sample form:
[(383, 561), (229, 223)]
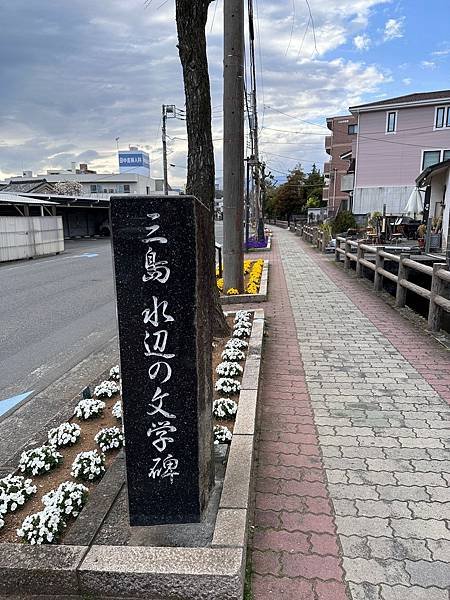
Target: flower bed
[(23, 497), (255, 284)]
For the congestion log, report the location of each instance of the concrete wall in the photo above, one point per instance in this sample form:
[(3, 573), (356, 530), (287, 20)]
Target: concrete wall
[(395, 159), (27, 237)]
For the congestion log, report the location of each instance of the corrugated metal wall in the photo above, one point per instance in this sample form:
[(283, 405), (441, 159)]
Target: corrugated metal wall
[(27, 237), (371, 199)]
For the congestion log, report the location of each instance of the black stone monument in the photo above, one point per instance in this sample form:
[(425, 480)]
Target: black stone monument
[(165, 339)]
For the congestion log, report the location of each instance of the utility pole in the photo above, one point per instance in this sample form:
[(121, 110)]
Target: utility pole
[(168, 111), (233, 145), (164, 148)]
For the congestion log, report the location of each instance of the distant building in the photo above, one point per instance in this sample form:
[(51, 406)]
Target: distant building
[(28, 185), (397, 139), (339, 146), (100, 185)]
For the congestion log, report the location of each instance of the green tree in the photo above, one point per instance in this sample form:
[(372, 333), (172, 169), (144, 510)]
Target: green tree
[(344, 220), (314, 184), (290, 197)]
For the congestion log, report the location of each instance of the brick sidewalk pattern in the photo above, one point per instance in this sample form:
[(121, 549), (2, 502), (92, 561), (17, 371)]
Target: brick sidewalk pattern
[(352, 481)]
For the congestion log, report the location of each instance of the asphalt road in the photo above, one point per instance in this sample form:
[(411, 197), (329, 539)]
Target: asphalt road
[(54, 312)]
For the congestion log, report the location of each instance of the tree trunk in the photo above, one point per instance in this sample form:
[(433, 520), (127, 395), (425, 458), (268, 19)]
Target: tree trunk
[(191, 17)]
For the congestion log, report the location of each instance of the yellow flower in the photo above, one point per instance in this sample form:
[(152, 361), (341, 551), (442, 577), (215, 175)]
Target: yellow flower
[(220, 284), (252, 288), (232, 292)]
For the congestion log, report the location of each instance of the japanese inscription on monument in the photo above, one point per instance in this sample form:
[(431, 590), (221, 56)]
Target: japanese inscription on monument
[(165, 347)]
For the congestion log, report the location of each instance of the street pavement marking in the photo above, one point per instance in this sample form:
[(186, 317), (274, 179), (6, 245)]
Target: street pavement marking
[(8, 403)]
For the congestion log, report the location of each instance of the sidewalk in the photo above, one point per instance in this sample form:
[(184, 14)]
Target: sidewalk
[(352, 496)]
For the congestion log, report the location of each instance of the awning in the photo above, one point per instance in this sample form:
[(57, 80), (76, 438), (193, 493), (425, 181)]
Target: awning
[(6, 198)]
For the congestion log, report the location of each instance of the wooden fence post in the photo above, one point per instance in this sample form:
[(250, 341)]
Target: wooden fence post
[(347, 250), (325, 241), (379, 264), (437, 287), (337, 254), (359, 255), (400, 296)]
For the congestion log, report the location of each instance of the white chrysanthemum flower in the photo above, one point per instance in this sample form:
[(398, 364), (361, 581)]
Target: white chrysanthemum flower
[(229, 369), (15, 490), (39, 460), (117, 410), (69, 498), (235, 342), (228, 386), (88, 465), (233, 354), (65, 434), (241, 332), (109, 438), (106, 389), (43, 527), (222, 435), (114, 373), (225, 408), (89, 408)]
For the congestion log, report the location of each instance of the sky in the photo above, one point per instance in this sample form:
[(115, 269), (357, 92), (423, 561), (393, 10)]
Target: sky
[(76, 75)]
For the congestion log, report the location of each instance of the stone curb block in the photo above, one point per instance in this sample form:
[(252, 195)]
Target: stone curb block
[(244, 298)]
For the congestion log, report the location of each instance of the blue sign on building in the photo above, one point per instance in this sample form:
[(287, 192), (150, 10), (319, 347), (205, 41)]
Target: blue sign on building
[(134, 161)]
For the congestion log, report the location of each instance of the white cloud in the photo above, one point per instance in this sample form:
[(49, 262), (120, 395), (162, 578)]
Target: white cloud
[(428, 64), (407, 81), (362, 42), (89, 78), (393, 28)]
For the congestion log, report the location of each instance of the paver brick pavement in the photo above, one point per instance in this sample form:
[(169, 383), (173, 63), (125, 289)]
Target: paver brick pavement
[(352, 479)]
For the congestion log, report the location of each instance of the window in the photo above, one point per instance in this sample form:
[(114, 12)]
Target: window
[(446, 155), (442, 117), (93, 188), (352, 129), (430, 157), (126, 188), (391, 122)]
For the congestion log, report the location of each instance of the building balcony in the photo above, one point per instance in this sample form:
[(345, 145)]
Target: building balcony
[(326, 168), (347, 182), (328, 139)]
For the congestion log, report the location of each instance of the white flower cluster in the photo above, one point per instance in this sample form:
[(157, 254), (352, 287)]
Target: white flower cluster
[(39, 460), (227, 386), (69, 498), (109, 438), (224, 408), (43, 527), (66, 434), (89, 408), (114, 373), (88, 465), (15, 490), (233, 354), (229, 369), (117, 410), (242, 315), (222, 435), (106, 389), (236, 343), (242, 324)]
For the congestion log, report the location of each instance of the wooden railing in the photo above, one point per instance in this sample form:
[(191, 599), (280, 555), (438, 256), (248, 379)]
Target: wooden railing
[(439, 274)]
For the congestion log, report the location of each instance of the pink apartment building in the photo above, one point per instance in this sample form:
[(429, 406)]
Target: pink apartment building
[(339, 146), (397, 139)]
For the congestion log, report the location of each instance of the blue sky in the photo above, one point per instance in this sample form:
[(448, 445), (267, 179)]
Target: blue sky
[(76, 75)]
